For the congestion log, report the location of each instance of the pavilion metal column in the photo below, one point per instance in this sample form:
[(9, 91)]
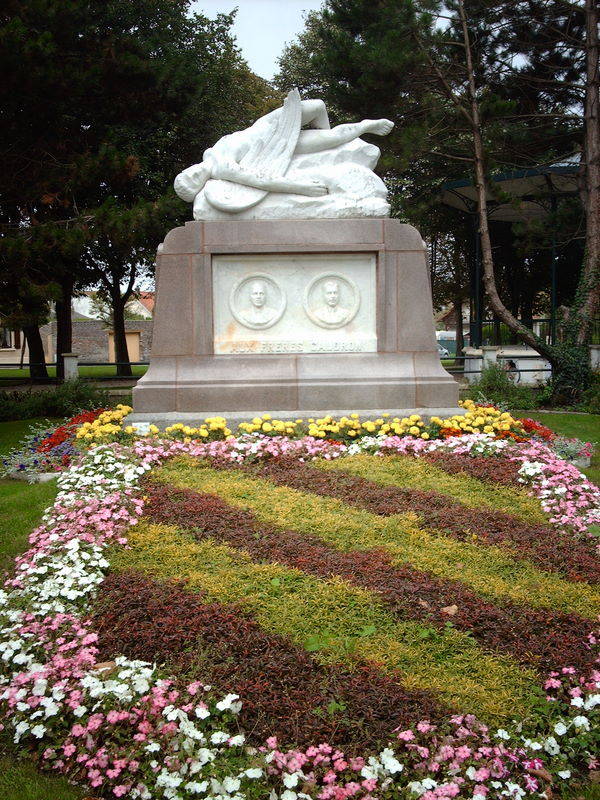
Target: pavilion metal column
[(553, 292)]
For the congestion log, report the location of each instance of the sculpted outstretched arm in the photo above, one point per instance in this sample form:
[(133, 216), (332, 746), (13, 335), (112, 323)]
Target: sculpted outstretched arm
[(235, 173)]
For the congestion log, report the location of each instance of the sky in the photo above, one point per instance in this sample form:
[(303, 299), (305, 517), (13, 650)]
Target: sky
[(262, 27)]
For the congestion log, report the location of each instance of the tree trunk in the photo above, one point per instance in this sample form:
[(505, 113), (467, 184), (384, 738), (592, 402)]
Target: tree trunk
[(120, 339), (489, 280), (64, 328), (589, 284), (37, 359)]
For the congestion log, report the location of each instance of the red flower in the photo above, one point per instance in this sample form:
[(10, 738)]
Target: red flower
[(537, 429), (66, 431)]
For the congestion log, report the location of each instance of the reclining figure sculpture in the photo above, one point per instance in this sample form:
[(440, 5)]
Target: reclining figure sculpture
[(280, 169)]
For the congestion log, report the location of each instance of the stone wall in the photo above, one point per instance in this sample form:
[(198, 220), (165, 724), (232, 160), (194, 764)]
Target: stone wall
[(90, 338)]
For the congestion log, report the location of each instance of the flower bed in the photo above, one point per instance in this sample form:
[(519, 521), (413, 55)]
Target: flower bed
[(47, 448), (329, 617)]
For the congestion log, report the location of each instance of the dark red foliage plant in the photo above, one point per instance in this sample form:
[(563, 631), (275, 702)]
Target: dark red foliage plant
[(541, 638), (285, 692)]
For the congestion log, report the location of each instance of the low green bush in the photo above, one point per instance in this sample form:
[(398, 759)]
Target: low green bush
[(590, 400), (495, 386), (63, 400)]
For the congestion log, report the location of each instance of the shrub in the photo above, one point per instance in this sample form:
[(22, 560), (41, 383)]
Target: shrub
[(64, 400), (494, 386), (590, 400)]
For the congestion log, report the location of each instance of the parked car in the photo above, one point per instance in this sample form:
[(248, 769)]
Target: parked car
[(443, 352)]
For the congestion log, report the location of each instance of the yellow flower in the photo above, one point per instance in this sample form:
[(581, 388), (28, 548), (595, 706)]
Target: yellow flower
[(424, 435), (414, 430)]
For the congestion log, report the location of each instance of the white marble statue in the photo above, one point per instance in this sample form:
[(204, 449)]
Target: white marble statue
[(277, 169)]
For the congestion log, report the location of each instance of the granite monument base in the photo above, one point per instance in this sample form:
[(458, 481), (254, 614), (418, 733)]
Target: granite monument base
[(303, 317)]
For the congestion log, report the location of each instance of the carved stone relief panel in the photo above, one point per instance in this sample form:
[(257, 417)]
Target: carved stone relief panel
[(309, 303)]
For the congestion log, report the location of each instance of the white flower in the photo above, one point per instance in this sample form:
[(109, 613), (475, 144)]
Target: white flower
[(289, 795), (560, 728), (201, 756), (551, 746), (238, 740), (51, 708), (168, 779), (290, 779), (228, 703), (390, 762), (231, 785), (581, 722), (39, 687), (513, 790), (218, 737), (38, 731), (254, 772), (502, 734), (564, 774), (196, 787), (368, 772)]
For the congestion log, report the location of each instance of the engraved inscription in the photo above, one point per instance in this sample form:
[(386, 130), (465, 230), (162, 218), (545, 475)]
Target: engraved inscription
[(299, 347)]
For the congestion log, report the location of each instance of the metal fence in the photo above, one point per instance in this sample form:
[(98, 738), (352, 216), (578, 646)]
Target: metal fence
[(495, 332), (461, 367)]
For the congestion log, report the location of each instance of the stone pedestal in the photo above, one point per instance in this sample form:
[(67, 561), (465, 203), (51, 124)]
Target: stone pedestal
[(345, 321)]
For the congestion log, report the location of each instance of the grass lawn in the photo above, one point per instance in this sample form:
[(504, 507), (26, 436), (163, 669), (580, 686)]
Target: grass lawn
[(104, 371), (21, 506)]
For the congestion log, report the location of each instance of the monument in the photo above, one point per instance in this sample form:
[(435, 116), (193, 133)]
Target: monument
[(292, 291)]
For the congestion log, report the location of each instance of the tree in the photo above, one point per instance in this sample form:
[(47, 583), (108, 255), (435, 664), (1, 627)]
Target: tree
[(102, 310), (488, 86), (570, 363), (104, 102)]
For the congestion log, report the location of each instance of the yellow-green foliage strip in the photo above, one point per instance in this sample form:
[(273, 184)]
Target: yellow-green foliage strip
[(488, 570), (297, 606), (417, 473)]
